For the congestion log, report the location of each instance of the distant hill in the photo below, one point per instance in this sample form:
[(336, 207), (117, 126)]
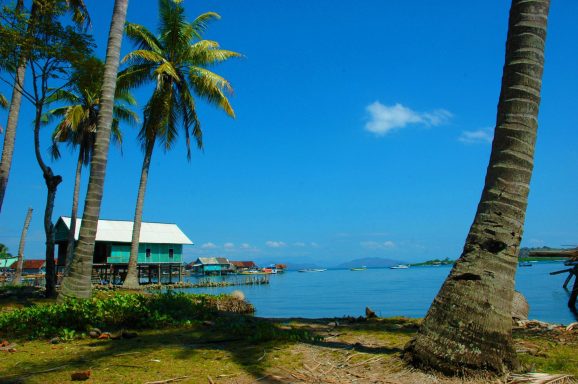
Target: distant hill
[(297, 266), (370, 262)]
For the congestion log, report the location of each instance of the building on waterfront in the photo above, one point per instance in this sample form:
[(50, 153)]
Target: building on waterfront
[(30, 267), (242, 266), (160, 249), (211, 266)]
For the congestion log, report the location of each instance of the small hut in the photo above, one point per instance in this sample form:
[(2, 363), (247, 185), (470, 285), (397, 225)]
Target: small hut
[(211, 266)]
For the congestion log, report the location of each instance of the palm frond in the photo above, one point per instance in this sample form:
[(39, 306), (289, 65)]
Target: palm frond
[(134, 76), (3, 101), (142, 56), (61, 96), (79, 12), (142, 37), (200, 24), (124, 114), (212, 88), (207, 52), (167, 69)]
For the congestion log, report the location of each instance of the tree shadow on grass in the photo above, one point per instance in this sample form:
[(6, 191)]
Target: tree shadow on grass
[(205, 348)]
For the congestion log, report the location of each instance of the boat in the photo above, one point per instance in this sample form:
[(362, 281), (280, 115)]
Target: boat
[(362, 268), (312, 270), (400, 266), (525, 264)]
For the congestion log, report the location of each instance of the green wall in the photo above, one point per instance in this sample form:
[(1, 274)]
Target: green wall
[(159, 253)]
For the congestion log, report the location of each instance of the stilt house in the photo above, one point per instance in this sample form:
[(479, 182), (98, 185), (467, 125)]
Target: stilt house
[(160, 247)]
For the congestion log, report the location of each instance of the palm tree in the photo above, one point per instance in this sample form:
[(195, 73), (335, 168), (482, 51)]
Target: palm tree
[(78, 123), (77, 284), (18, 274), (81, 18), (3, 105), (176, 61), (468, 326)]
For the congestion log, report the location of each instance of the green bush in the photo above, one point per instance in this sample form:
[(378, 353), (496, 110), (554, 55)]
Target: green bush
[(117, 311)]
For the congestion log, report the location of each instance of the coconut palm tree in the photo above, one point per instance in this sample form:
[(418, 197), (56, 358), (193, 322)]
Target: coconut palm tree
[(176, 62), (3, 105), (77, 284), (469, 326), (78, 123), (18, 274), (39, 9)]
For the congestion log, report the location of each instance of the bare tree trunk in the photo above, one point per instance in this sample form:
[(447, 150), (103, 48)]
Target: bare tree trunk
[(18, 275), (51, 182), (468, 327), (131, 280), (77, 284), (74, 211)]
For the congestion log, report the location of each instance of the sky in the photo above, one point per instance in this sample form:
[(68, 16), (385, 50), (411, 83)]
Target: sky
[(362, 129)]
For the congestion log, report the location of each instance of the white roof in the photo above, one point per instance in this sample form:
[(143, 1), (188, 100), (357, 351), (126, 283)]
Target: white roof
[(121, 232)]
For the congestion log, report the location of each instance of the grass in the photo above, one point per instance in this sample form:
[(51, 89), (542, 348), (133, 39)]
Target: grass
[(234, 348)]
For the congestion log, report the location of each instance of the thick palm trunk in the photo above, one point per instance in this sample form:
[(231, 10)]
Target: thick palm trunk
[(131, 280), (468, 326), (77, 284), (10, 132), (18, 274), (74, 211)]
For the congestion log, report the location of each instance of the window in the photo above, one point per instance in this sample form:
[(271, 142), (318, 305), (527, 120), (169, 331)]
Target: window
[(148, 252), (171, 253)]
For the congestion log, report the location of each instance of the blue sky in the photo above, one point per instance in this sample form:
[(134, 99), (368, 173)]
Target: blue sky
[(362, 130)]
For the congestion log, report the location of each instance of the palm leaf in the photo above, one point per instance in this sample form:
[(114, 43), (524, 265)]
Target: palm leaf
[(142, 37), (142, 56), (3, 101), (200, 24), (207, 52), (212, 88), (134, 76)]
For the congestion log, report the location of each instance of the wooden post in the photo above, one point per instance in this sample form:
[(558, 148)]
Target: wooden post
[(159, 277), (170, 273), (180, 273), (574, 294), (150, 274)]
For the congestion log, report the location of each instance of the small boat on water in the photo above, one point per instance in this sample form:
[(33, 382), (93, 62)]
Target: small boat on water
[(525, 264), (312, 270), (400, 266), (362, 268)]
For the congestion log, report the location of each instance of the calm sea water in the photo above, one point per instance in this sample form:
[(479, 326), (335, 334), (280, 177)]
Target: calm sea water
[(389, 292)]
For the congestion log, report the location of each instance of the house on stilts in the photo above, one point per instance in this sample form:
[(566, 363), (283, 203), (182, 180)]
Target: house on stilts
[(160, 250)]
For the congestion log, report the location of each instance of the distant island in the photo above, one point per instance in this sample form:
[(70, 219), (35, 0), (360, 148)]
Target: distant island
[(556, 254), (369, 262), (445, 261)]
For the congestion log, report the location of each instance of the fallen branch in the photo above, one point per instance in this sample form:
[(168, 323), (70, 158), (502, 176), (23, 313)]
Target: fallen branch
[(168, 380)]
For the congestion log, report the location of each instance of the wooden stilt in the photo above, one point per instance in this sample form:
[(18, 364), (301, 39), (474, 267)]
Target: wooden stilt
[(150, 275), (567, 280), (159, 276), (170, 273), (180, 273), (574, 294)]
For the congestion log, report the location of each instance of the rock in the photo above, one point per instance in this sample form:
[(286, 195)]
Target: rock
[(93, 334), (238, 295), (104, 335), (80, 376), (520, 307), (369, 313), (208, 323), (55, 340), (572, 327), (4, 343), (333, 323)]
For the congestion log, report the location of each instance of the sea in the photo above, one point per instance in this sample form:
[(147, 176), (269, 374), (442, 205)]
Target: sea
[(388, 292)]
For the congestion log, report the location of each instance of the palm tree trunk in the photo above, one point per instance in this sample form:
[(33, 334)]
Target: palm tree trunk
[(13, 113), (74, 211), (18, 275), (469, 327), (77, 284), (10, 132), (131, 280)]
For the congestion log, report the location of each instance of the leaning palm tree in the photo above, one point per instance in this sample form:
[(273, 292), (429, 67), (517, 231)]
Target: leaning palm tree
[(176, 62), (80, 17), (468, 327), (18, 275), (78, 120), (3, 105), (77, 284)]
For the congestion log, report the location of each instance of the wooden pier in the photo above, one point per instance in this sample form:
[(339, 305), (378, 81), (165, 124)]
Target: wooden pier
[(572, 256)]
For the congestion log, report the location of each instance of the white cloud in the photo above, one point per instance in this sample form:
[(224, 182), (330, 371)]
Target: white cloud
[(384, 118), (275, 244), (209, 246), (229, 245), (246, 246), (481, 136), (299, 244), (377, 245)]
